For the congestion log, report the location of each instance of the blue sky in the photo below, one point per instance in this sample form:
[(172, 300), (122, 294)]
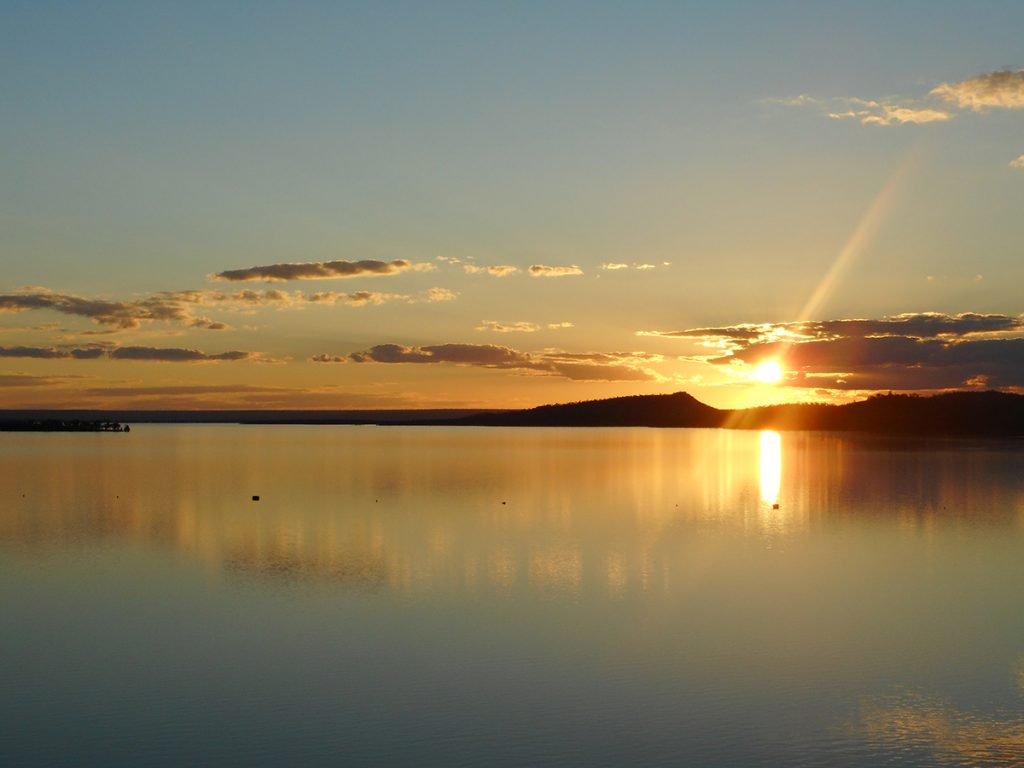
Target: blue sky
[(146, 147)]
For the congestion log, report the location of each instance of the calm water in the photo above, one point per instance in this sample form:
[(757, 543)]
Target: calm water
[(431, 596)]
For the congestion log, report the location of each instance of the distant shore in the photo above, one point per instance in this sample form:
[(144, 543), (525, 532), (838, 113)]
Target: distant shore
[(951, 413), (61, 425)]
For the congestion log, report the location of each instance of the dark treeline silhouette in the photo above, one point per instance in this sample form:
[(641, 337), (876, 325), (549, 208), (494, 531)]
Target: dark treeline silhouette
[(60, 425), (952, 413), (246, 416)]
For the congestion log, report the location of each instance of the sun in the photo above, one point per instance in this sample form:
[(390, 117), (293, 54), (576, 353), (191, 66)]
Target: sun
[(768, 372)]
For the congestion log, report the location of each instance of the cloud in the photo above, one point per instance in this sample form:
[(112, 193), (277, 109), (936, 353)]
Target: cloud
[(318, 270), (914, 324), (913, 351), (354, 299), (890, 114), (872, 112), (52, 353), (439, 294), (518, 327), (1003, 89), (176, 355), (497, 270), (521, 326), (162, 354), (119, 314), (616, 266), (250, 299), (1018, 163), (543, 270), (181, 307), (590, 366)]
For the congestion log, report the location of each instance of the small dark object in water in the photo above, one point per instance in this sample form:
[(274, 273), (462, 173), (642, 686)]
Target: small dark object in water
[(775, 506), (255, 498), (504, 502)]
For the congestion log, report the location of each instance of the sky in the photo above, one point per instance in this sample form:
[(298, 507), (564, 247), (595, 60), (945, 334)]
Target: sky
[(435, 205)]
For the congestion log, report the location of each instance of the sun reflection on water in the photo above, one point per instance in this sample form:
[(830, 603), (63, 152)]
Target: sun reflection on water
[(771, 467)]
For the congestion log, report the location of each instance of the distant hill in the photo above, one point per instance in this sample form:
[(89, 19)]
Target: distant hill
[(952, 413), (675, 410)]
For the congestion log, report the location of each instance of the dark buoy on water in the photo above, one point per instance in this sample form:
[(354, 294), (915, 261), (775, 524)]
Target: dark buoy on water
[(255, 498), (775, 506)]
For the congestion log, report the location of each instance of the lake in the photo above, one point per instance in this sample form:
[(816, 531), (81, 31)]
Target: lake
[(410, 596)]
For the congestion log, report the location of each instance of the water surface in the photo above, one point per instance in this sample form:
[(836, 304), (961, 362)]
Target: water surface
[(415, 596)]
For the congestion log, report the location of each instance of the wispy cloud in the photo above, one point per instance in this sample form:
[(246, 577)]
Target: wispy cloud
[(184, 307), (520, 326), (1018, 163), (439, 294), (891, 114), (495, 270), (914, 324), (119, 314), (884, 113), (543, 270), (1003, 89), (319, 270), (617, 266), (588, 366)]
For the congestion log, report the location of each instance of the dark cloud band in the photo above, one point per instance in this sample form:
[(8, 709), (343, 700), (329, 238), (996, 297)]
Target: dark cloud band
[(914, 351), (314, 270), (152, 354)]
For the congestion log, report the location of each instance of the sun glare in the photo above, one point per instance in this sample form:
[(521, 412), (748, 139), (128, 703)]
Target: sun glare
[(768, 372)]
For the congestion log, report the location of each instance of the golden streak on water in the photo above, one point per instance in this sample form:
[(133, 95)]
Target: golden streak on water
[(771, 466)]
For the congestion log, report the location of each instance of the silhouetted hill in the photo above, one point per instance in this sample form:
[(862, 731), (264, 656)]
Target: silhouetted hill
[(675, 410), (953, 413)]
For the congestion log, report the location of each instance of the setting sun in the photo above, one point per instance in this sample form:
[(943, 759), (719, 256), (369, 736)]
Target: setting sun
[(768, 372)]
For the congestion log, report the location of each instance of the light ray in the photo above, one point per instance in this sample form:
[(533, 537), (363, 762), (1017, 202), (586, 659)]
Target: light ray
[(863, 233), (867, 227)]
